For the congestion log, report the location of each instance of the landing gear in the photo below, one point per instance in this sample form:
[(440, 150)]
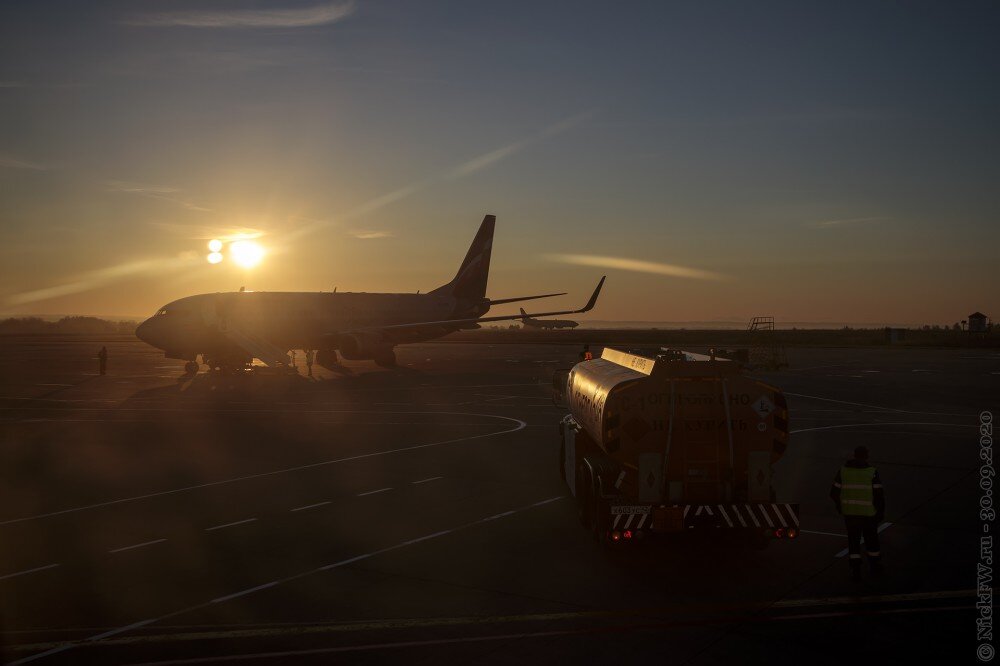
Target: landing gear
[(191, 368), (385, 358)]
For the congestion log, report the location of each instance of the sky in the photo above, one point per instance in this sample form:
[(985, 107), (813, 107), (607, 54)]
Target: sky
[(818, 162)]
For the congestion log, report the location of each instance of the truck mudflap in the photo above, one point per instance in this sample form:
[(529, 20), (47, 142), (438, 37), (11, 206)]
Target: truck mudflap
[(778, 520)]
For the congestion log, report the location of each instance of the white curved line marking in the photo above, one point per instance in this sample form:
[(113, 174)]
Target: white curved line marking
[(520, 426)]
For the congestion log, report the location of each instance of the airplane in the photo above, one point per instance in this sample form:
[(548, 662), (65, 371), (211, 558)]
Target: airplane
[(546, 323), (230, 329)]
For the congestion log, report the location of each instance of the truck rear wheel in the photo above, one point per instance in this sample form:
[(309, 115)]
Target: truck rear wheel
[(599, 520), (584, 485), (562, 453)]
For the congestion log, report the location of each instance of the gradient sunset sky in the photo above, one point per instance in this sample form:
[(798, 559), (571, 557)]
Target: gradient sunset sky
[(831, 162)]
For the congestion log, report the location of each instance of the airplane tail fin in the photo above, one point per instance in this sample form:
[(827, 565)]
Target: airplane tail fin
[(470, 281), (523, 313)]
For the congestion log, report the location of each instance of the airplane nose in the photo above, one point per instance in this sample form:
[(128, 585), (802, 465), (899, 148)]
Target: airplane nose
[(144, 332)]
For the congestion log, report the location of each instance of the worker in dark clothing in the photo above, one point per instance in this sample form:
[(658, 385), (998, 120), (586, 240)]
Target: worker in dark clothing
[(310, 358), (858, 495), (102, 357), (585, 355)]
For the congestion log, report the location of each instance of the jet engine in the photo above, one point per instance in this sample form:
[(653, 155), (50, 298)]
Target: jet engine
[(361, 347)]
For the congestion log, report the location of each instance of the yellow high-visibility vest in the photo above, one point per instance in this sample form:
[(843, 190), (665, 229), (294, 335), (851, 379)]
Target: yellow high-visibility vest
[(856, 493)]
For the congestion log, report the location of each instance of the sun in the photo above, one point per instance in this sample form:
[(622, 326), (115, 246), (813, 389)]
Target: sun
[(246, 253)]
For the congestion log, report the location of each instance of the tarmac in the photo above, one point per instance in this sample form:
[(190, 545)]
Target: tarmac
[(417, 516)]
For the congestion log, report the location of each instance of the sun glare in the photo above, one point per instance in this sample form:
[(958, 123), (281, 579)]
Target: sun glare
[(215, 245), (246, 253), (214, 257)]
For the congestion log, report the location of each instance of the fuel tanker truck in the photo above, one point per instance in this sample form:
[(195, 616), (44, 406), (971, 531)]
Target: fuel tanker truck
[(673, 442)]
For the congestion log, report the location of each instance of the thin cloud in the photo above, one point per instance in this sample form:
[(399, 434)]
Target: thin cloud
[(104, 276), (10, 162), (171, 194), (23, 84), (365, 234), (826, 224), (467, 168), (205, 232), (303, 17), (636, 266), (489, 159)]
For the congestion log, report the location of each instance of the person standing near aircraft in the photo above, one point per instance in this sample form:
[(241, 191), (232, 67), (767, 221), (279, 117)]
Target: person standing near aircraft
[(310, 358), (859, 498), (102, 359)]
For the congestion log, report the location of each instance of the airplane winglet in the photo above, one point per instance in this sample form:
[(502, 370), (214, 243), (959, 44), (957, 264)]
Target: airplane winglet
[(593, 298)]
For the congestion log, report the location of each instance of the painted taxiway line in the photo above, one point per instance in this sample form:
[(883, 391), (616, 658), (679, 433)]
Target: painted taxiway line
[(374, 492), (187, 633), (598, 630), (433, 478), (881, 528), (287, 579), (876, 599), (309, 506), (234, 524), (519, 425), (891, 423), (138, 545), (861, 404), (833, 534), (28, 571)]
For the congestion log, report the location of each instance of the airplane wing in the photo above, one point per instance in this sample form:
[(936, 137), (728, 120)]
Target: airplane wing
[(456, 324), (501, 301)]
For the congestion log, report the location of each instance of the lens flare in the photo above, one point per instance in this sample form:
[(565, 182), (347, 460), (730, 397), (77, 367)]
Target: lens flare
[(215, 245), (214, 257), (246, 253)]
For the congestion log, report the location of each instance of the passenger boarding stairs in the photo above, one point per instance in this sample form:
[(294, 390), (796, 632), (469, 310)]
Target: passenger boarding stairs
[(766, 352), (256, 346)]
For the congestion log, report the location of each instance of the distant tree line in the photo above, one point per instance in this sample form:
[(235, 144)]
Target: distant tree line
[(930, 335), (69, 325)]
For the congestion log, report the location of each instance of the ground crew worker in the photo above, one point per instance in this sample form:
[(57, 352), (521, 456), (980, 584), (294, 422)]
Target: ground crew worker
[(859, 498), (102, 357), (310, 357), (585, 355)]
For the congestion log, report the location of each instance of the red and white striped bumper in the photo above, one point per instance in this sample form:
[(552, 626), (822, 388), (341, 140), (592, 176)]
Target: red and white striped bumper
[(676, 518)]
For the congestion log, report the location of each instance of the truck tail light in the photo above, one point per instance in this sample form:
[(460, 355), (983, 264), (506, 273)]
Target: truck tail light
[(792, 533), (778, 533), (627, 534)]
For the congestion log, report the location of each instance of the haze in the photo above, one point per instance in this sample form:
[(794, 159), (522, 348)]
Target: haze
[(717, 160)]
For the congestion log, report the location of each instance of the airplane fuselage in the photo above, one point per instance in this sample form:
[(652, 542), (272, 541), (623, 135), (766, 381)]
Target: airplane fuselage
[(229, 330), (550, 323), (206, 323)]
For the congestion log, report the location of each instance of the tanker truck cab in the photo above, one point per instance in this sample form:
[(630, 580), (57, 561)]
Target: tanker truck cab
[(673, 442)]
